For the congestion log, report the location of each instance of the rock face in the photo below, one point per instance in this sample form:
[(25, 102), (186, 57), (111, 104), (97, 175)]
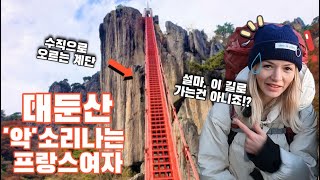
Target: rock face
[(139, 176), (315, 20), (216, 47), (62, 87), (92, 85), (177, 49), (122, 38), (192, 139), (298, 24), (199, 43), (194, 109)]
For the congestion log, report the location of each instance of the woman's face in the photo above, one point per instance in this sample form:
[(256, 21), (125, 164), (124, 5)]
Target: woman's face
[(274, 78)]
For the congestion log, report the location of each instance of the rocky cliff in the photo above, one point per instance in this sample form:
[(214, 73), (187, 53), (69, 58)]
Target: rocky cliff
[(90, 84), (122, 39)]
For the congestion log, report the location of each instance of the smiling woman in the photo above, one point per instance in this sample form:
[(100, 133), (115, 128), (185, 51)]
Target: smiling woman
[(278, 80), (282, 92)]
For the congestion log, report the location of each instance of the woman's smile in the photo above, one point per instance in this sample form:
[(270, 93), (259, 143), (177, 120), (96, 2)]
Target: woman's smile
[(273, 87)]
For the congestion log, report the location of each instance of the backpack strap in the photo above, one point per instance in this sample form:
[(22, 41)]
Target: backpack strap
[(276, 131), (287, 131), (270, 131), (232, 133), (235, 129)]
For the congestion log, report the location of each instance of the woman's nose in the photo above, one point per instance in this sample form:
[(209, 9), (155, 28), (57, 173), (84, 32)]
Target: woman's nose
[(276, 75)]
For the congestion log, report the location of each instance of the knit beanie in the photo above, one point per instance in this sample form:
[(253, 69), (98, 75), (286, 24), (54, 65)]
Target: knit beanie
[(272, 42)]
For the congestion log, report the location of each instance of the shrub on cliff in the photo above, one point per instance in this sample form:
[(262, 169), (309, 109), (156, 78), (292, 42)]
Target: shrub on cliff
[(210, 64)]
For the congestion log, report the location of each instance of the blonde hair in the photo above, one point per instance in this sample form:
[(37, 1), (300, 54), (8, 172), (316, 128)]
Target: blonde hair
[(288, 102)]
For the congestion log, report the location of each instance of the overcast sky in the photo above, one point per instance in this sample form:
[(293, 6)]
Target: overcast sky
[(26, 24)]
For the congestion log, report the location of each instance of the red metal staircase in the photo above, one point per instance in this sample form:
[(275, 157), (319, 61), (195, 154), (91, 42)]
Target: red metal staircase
[(161, 161), (161, 156)]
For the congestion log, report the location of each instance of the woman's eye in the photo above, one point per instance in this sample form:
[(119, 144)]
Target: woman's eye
[(288, 68), (266, 66)]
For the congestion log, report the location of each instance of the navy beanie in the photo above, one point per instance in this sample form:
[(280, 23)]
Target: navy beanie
[(275, 43)]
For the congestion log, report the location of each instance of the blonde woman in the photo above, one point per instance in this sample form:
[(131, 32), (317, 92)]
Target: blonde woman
[(282, 90)]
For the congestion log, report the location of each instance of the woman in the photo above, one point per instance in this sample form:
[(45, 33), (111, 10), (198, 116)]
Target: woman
[(282, 90)]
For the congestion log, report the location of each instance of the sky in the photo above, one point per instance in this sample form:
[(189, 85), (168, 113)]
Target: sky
[(26, 24)]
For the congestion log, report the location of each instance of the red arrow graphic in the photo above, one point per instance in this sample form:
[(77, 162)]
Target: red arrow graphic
[(127, 72)]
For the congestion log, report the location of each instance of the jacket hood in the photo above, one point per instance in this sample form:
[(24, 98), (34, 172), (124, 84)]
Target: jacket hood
[(307, 85)]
